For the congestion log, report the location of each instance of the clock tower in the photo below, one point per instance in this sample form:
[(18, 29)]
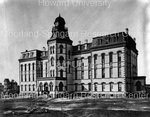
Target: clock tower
[(60, 57)]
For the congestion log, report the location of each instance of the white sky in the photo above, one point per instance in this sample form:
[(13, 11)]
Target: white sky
[(28, 16)]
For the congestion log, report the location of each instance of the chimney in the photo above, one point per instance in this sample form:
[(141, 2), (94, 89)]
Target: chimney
[(79, 45), (86, 42), (44, 49), (127, 31)]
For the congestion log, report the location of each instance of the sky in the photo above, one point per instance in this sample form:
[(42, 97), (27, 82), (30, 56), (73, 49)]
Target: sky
[(27, 25)]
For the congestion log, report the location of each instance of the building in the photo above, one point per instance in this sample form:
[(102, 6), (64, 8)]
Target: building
[(107, 65), (1, 88), (10, 87), (148, 88)]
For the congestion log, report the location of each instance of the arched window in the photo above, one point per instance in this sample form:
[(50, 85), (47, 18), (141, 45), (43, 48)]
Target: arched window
[(82, 86), (40, 86), (61, 49), (60, 86), (46, 86), (69, 68), (53, 73), (53, 49), (76, 87), (103, 86), (29, 87), (111, 85), (52, 61), (25, 87), (138, 86), (61, 59), (95, 86), (33, 87), (51, 86), (61, 73), (89, 85)]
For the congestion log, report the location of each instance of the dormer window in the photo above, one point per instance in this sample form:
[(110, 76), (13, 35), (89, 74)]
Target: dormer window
[(31, 54), (79, 47), (27, 55), (24, 55)]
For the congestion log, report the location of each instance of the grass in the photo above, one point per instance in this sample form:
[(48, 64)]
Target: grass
[(77, 108)]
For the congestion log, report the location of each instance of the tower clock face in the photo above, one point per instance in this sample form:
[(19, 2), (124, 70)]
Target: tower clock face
[(56, 24)]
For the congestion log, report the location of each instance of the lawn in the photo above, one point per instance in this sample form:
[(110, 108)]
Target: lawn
[(44, 107)]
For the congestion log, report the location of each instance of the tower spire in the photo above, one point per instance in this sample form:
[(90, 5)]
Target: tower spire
[(59, 15)]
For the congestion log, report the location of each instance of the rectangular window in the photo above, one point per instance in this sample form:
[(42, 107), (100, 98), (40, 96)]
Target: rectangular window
[(119, 63), (103, 72), (75, 64), (29, 76), (21, 77), (76, 87), (95, 66), (110, 72), (46, 69), (25, 87), (103, 60), (21, 87), (89, 67), (29, 88), (21, 67), (89, 86), (33, 87), (110, 57), (25, 78), (111, 86), (119, 87), (82, 68), (33, 66), (33, 76), (103, 86), (119, 71)]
